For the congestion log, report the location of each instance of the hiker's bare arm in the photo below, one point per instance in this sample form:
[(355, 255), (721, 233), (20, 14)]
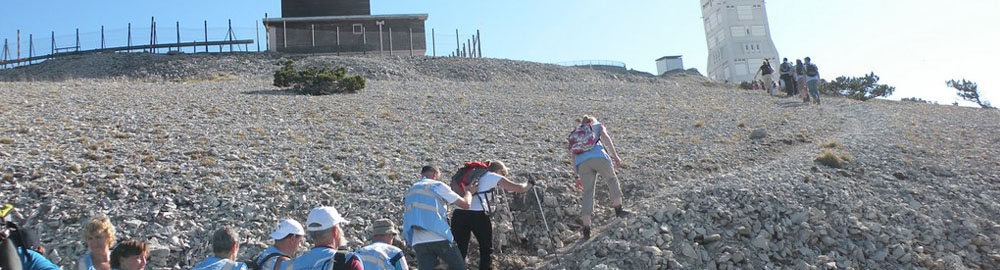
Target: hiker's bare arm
[(572, 161), (464, 201), (605, 137), (510, 186)]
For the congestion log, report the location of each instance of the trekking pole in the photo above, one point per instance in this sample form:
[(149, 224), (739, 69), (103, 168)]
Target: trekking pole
[(513, 229), (545, 221)]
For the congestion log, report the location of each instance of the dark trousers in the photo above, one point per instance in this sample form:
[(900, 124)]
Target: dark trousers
[(429, 253), (789, 86), (478, 223)]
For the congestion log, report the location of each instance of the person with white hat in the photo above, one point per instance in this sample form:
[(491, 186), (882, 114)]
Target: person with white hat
[(287, 238), (323, 226), (381, 254)]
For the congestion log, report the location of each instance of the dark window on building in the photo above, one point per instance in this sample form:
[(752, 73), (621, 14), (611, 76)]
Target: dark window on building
[(359, 29)]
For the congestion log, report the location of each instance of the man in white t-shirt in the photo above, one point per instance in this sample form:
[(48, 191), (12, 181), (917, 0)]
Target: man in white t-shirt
[(425, 224)]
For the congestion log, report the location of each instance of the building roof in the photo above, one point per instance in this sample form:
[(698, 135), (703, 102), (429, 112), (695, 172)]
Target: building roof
[(422, 16), (669, 57)]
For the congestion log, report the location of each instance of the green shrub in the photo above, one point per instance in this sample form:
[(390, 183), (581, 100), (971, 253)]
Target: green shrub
[(914, 100), (746, 86), (860, 88), (318, 80)]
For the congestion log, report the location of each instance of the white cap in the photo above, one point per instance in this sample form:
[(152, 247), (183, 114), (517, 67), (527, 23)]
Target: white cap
[(286, 227), (322, 218)]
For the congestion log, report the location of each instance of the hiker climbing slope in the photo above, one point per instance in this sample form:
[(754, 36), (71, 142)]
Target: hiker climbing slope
[(476, 219), (812, 79), (788, 77), (425, 227), (590, 158), (765, 72)]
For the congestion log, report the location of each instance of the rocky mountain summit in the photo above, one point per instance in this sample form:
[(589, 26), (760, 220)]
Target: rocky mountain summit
[(173, 147)]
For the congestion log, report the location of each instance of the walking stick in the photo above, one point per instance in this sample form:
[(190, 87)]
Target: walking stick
[(546, 222), (513, 229)]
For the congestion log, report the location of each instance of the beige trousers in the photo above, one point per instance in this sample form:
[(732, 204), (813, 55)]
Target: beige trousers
[(588, 171), (767, 83)]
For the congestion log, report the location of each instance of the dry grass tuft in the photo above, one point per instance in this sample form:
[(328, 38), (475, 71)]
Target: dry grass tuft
[(831, 144), (833, 160), (6, 140)]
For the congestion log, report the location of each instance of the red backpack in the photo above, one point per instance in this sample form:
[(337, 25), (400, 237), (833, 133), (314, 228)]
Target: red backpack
[(468, 175), (583, 138)]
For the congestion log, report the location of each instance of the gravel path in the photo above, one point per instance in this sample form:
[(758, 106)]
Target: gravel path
[(172, 147)]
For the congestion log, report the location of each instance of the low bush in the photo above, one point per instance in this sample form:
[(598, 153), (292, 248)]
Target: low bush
[(746, 86), (833, 160), (318, 80), (914, 100), (859, 88)]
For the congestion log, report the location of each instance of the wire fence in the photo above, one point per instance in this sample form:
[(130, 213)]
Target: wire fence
[(198, 37), (153, 37)]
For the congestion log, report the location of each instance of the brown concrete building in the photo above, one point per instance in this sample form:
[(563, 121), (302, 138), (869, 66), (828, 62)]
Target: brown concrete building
[(346, 27)]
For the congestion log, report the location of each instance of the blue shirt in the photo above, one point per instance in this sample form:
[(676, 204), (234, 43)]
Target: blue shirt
[(321, 258), (269, 264), (216, 263), (86, 262), (596, 152), (35, 261)]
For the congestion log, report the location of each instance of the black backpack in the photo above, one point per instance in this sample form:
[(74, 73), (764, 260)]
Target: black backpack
[(339, 260), (766, 69), (786, 67), (253, 265), (12, 238), (812, 70)]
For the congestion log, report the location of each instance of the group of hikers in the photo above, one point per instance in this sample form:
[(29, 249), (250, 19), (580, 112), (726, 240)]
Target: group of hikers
[(800, 79), (425, 227)]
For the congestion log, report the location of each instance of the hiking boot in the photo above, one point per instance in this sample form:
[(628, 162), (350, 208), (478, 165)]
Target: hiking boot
[(621, 212), (586, 232)]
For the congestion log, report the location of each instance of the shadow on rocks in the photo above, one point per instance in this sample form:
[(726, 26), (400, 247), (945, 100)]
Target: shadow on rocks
[(791, 104), (270, 92)]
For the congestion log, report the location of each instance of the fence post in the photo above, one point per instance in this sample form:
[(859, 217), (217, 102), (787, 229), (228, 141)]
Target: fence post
[(18, 47), (338, 41), (458, 45), (381, 47), (257, 25), (178, 36), (129, 42), (284, 33), (390, 41), (31, 47), (152, 29), (313, 31), (434, 49), (53, 43), (479, 42), (229, 35), (364, 39), (102, 37), (77, 39), (411, 42), (267, 34), (206, 36)]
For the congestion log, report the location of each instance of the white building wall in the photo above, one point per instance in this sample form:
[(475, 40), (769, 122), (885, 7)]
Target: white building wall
[(662, 66), (738, 38)]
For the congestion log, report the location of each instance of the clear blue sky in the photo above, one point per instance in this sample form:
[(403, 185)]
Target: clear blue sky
[(914, 45)]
